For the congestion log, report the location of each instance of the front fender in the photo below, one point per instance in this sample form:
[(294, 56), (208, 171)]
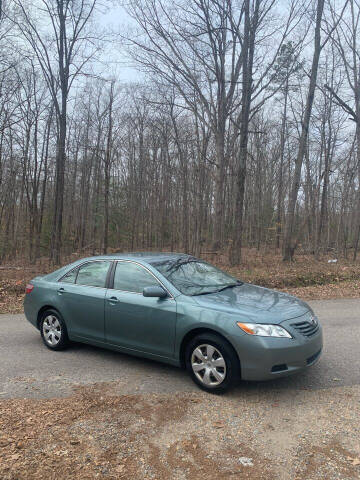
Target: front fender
[(191, 317)]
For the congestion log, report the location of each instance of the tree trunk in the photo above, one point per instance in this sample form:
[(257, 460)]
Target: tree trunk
[(280, 198), (61, 139), (107, 171), (289, 240), (248, 58), (218, 234)]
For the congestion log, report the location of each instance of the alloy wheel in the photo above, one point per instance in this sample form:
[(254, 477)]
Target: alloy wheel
[(208, 365), (51, 330)]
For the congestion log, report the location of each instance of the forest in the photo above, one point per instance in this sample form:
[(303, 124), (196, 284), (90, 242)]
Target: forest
[(240, 128)]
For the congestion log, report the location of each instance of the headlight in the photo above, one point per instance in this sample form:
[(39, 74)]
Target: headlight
[(264, 330)]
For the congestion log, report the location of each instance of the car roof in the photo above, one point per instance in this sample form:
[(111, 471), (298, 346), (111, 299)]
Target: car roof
[(146, 257)]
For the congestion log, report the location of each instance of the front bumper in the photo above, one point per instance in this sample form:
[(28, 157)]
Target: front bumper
[(265, 358)]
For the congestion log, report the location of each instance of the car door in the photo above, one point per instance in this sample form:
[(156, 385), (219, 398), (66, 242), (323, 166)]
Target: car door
[(132, 321), (82, 294)]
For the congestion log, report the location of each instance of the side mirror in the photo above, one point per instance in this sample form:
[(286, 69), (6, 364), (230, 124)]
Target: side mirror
[(155, 291)]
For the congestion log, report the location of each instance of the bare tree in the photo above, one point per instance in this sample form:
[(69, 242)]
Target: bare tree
[(62, 52), (107, 166), (347, 43), (199, 156), (289, 240), (195, 47)]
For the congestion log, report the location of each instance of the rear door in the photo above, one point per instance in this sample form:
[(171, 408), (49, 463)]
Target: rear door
[(136, 322), (82, 293)]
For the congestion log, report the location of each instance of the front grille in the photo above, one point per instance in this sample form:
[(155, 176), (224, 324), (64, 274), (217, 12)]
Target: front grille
[(306, 328)]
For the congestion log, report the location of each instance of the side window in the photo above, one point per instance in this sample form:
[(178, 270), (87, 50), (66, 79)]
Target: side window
[(93, 274), (132, 277), (70, 276)]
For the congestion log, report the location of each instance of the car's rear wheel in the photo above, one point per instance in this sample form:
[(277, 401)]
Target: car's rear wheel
[(212, 363), (53, 330)]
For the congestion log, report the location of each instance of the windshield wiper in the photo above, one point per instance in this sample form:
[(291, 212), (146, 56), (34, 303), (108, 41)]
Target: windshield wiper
[(231, 285), (203, 293), (179, 262)]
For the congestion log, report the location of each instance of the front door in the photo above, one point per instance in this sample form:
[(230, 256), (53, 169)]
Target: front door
[(132, 321)]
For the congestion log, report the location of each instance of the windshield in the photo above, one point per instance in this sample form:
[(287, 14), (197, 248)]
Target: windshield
[(194, 277)]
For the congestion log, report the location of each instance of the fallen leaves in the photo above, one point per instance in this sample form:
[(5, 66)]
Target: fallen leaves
[(104, 435), (4, 442), (343, 289), (270, 271), (306, 277), (246, 461), (218, 424)]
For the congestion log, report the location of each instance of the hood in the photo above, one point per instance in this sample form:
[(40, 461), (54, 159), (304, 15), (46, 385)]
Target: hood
[(254, 304)]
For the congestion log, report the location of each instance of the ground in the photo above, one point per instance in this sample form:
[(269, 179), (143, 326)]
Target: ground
[(88, 413)]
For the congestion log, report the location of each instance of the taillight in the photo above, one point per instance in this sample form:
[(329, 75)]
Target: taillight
[(29, 288)]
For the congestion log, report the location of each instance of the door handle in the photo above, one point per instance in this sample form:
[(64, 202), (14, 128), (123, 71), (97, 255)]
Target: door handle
[(61, 291), (113, 300)]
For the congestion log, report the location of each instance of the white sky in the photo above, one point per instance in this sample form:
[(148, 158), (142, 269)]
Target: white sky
[(117, 20)]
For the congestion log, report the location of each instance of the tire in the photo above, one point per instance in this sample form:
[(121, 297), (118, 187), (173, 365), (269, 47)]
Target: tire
[(53, 330), (221, 371)]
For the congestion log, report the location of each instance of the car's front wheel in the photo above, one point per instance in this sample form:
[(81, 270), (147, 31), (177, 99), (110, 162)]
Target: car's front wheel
[(53, 330), (212, 363)]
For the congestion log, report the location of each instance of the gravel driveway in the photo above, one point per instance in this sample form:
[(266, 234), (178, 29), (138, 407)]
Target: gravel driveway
[(91, 413)]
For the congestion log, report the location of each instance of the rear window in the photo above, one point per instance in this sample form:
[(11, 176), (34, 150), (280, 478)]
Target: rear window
[(70, 277), (93, 274)]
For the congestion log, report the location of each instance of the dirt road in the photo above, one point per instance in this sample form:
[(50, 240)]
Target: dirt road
[(90, 413)]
